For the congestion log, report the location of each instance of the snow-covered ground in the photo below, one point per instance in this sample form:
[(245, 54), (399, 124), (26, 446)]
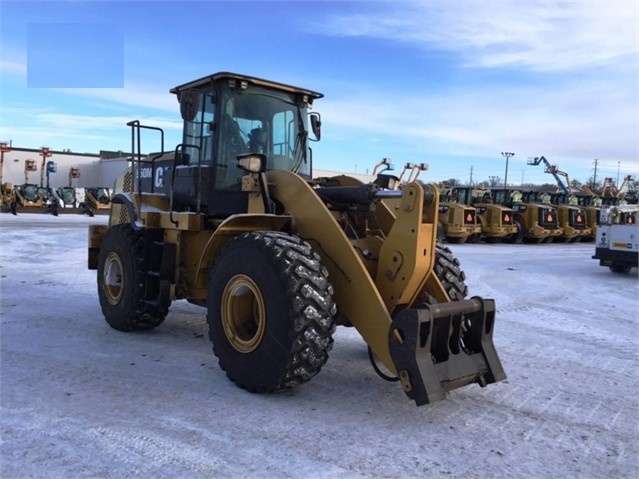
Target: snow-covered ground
[(82, 400)]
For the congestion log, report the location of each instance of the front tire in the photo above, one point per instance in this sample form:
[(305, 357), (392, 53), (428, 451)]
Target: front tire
[(448, 270), (270, 311), (122, 282)]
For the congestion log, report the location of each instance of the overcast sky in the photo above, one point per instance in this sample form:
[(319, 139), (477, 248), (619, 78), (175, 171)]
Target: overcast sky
[(449, 83)]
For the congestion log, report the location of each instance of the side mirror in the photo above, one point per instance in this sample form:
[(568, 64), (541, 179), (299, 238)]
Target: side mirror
[(316, 125), (189, 104)]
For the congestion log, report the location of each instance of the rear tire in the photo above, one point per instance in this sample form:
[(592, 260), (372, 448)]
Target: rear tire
[(620, 268), (270, 311), (122, 282)]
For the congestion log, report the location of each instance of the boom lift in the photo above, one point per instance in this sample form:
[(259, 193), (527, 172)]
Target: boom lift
[(554, 171), (571, 216), (231, 220)]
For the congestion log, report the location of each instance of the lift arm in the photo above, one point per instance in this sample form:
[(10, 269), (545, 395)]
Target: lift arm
[(554, 171)]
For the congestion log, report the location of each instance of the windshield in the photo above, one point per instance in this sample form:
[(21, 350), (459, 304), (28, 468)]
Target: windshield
[(259, 120)]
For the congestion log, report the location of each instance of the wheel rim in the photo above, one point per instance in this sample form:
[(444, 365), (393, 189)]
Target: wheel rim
[(243, 313), (113, 278)]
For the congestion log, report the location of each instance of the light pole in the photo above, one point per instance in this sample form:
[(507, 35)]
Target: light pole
[(507, 155), (4, 148), (618, 166), (45, 153)]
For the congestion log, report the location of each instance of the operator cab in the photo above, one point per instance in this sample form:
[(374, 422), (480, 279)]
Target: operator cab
[(226, 115)]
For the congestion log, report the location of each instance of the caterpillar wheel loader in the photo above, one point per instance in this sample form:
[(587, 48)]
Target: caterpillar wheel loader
[(536, 222), (458, 220), (572, 218), (496, 221), (231, 220), (592, 204)]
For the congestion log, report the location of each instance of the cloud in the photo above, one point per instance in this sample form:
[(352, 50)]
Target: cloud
[(11, 67), (80, 132), (539, 36), (81, 122), (149, 96), (570, 125)]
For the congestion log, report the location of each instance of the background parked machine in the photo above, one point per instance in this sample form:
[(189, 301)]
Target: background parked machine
[(69, 199), (495, 221), (231, 220), (27, 197), (98, 200), (617, 242), (591, 203), (571, 216), (536, 222), (458, 219)]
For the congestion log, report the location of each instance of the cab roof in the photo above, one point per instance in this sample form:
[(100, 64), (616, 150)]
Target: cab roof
[(216, 77)]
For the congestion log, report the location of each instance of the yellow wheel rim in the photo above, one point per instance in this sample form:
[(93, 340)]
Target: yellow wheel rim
[(243, 313), (113, 278)]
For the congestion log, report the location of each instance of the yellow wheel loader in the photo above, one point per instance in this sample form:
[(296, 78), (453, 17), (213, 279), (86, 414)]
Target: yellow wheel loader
[(98, 200), (457, 219), (231, 220)]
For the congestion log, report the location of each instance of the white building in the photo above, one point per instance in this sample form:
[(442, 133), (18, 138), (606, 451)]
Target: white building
[(96, 169)]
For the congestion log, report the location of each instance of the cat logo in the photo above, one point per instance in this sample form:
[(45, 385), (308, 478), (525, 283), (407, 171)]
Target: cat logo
[(507, 218), (147, 172), (579, 220), (469, 218), (549, 218), (159, 178)]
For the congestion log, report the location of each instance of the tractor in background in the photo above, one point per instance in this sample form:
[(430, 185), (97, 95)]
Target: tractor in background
[(496, 221), (69, 199), (536, 222)]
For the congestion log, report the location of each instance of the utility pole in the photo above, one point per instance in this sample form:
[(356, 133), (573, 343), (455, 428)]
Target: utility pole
[(594, 178), (618, 166), (471, 175), (506, 155)]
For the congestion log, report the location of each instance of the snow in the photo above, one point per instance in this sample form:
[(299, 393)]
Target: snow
[(79, 399)]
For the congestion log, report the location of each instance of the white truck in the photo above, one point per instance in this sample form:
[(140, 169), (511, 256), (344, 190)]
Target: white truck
[(617, 241)]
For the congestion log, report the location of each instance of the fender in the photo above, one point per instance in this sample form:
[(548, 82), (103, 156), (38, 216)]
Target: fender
[(230, 228)]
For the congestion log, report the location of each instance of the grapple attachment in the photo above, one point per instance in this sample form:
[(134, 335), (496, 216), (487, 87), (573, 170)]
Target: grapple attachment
[(440, 347)]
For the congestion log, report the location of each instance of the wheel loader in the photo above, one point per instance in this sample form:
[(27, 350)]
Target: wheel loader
[(458, 220), (496, 221), (231, 220), (536, 221)]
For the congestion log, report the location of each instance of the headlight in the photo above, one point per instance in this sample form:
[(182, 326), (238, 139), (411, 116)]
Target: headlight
[(252, 162)]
